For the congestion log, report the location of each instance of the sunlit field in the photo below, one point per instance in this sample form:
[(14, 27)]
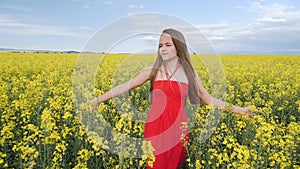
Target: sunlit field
[(45, 123)]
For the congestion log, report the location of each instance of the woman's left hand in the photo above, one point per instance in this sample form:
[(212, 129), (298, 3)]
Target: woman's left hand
[(249, 111)]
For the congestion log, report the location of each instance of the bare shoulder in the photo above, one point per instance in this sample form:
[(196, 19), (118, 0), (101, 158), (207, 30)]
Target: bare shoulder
[(150, 67), (148, 70), (145, 73)]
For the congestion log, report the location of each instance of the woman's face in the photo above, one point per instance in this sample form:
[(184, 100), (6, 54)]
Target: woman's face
[(167, 49)]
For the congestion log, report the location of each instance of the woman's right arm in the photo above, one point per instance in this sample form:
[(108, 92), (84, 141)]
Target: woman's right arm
[(140, 79)]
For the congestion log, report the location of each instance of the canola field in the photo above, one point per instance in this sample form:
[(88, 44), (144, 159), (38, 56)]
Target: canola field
[(45, 123)]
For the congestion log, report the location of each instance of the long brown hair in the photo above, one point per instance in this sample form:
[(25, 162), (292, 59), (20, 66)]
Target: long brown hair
[(184, 58)]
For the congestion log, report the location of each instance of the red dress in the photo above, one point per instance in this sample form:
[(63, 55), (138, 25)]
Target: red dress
[(164, 123)]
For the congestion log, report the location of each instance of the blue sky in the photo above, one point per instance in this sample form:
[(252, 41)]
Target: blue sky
[(231, 26)]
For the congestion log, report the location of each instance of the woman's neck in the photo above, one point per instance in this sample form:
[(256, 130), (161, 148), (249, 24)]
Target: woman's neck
[(171, 64)]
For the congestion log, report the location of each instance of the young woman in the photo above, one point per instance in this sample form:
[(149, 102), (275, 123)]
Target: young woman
[(172, 78)]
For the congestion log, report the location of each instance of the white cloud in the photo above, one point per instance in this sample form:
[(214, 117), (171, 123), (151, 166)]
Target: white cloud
[(8, 22), (276, 28), (272, 20), (13, 7), (86, 5), (151, 39), (238, 7), (12, 26), (108, 2), (86, 28), (133, 6), (273, 10)]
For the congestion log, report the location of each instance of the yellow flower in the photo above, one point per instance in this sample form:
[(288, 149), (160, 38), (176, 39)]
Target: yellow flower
[(148, 152)]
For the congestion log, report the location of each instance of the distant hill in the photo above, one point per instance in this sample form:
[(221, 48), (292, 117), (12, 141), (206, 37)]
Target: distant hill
[(37, 51), (74, 52)]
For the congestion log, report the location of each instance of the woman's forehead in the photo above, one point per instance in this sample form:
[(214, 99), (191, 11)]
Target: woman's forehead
[(165, 37)]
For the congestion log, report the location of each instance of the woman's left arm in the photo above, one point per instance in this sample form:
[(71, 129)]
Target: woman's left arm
[(206, 98)]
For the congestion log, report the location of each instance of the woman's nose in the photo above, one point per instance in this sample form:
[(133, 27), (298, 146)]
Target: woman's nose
[(163, 48)]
